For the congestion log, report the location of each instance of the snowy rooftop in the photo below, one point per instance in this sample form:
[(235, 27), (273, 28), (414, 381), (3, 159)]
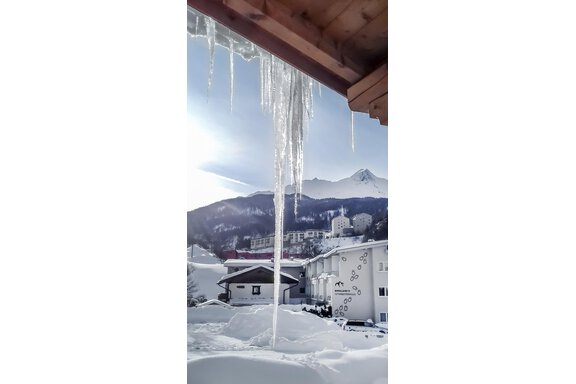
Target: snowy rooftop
[(227, 277), (368, 245), (266, 262)]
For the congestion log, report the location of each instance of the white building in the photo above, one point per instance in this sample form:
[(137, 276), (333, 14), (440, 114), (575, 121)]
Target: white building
[(361, 222), (255, 285), (292, 237), (353, 280), (338, 225), (291, 267), (262, 242)]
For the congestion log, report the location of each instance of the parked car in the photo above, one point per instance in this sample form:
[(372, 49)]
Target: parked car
[(362, 326)]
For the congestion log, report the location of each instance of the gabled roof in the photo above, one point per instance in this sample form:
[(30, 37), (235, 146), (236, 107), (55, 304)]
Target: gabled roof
[(257, 274), (284, 263)]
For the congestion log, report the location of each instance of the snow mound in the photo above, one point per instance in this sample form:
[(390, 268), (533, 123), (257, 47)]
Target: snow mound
[(259, 319), (250, 369)]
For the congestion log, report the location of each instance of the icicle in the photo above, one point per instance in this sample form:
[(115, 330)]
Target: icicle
[(211, 36), (286, 94), (231, 73), (352, 127)]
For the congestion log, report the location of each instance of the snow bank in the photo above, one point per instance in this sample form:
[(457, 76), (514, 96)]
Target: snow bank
[(211, 314), (234, 345), (233, 368), (290, 324), (358, 367)]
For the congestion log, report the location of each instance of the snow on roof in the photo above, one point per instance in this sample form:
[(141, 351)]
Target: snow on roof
[(234, 274), (267, 262), (214, 302), (348, 248)]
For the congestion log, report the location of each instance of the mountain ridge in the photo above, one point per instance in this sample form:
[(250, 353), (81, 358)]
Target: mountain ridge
[(363, 183)]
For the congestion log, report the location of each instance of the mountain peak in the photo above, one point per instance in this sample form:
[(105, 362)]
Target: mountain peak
[(363, 175)]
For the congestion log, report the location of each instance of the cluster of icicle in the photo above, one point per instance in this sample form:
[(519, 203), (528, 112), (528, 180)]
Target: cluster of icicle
[(286, 93)]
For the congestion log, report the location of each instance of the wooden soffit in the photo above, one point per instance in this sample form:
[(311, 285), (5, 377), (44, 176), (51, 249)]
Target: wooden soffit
[(341, 43)]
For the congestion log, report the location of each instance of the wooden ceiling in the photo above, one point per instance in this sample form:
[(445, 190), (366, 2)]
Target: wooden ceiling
[(341, 43)]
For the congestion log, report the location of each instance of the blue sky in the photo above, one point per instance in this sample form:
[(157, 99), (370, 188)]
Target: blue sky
[(231, 152)]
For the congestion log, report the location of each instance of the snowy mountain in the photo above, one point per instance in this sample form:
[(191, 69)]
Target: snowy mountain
[(361, 184), (229, 224)]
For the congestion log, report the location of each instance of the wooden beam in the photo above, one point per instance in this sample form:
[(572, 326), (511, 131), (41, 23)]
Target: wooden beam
[(379, 109), (250, 29), (277, 19), (371, 95), (376, 82)]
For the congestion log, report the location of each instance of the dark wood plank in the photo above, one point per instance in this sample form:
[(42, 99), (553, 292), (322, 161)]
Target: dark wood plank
[(253, 32), (354, 18)]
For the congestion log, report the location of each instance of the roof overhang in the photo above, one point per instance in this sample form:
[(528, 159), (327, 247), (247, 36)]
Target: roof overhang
[(342, 44), (259, 274)]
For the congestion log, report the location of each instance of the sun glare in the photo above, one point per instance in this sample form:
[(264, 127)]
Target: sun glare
[(202, 146)]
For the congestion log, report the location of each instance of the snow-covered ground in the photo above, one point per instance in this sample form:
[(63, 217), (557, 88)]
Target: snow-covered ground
[(235, 345)]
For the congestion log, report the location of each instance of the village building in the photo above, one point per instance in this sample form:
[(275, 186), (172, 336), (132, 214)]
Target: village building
[(255, 285), (290, 237), (338, 225), (292, 267), (361, 222), (262, 242), (352, 279)]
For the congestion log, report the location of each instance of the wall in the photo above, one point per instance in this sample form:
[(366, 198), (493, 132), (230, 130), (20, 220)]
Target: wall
[(380, 279), (244, 295), (353, 289)]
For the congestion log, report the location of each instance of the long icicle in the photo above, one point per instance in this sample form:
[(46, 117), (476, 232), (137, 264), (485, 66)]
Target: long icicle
[(211, 36), (352, 128), (286, 93), (231, 73)]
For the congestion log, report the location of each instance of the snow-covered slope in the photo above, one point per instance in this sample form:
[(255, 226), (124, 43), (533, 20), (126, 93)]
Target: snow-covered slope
[(361, 184), (207, 270)]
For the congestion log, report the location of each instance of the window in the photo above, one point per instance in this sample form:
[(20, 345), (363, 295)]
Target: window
[(380, 267), (240, 286), (302, 290), (383, 291), (255, 289), (384, 317)]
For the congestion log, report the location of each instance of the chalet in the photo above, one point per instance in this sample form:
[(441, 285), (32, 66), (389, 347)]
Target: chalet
[(255, 285), (292, 267)]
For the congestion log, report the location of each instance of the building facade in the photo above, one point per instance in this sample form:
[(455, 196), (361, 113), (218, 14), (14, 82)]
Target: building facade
[(255, 285), (361, 222), (353, 280), (338, 225), (292, 267), (290, 237)]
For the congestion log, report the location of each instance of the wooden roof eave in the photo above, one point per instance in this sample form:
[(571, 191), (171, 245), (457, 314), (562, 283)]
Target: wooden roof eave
[(282, 31)]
